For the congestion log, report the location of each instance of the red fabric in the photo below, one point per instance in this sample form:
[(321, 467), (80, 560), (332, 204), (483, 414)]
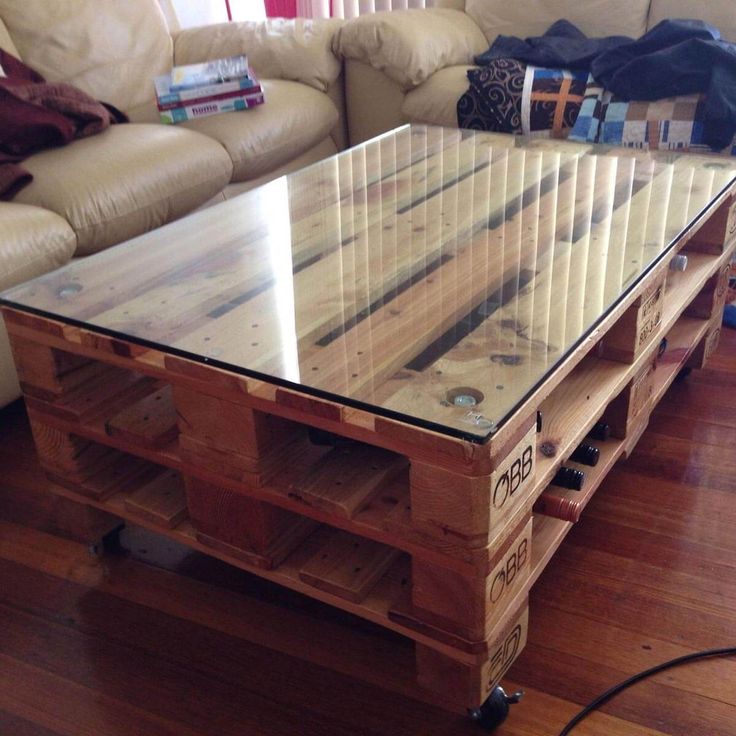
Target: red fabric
[(281, 8), (35, 115)]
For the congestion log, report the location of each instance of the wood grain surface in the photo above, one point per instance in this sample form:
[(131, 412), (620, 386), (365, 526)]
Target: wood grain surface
[(403, 269)]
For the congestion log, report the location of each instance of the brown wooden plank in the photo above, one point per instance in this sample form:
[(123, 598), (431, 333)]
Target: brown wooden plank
[(347, 478), (109, 390), (348, 566), (150, 421), (161, 500), (119, 473)]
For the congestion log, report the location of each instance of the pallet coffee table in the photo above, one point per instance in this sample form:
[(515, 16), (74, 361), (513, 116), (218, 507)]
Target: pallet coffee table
[(362, 381)]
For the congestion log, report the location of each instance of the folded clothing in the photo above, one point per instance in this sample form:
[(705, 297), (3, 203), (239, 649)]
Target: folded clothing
[(35, 114)]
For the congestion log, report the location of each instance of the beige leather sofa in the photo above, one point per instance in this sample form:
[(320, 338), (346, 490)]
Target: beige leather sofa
[(410, 65), (99, 191)]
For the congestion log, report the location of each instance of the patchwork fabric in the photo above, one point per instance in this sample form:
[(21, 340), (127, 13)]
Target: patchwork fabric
[(507, 96), (551, 101), (671, 124)]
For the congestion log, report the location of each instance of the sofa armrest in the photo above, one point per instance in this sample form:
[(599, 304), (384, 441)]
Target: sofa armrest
[(299, 50), (410, 45)]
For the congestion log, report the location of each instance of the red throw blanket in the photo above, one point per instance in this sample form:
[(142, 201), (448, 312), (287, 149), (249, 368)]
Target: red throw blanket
[(35, 114)]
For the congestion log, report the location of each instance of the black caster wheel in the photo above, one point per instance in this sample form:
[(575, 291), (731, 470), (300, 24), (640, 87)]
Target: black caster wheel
[(683, 374), (110, 542), (496, 708)]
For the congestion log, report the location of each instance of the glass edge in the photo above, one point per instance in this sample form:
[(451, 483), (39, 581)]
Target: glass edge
[(477, 439), (246, 373)]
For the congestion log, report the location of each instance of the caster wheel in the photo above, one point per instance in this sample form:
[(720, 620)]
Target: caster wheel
[(108, 543), (496, 708)]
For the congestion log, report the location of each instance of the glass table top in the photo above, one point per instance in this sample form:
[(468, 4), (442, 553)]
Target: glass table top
[(432, 275)]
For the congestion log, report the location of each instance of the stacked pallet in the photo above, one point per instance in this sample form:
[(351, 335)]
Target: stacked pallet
[(430, 516)]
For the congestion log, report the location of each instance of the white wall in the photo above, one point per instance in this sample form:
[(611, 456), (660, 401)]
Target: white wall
[(201, 12)]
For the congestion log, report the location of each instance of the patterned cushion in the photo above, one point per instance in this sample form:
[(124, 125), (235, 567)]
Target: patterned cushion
[(672, 124), (493, 100), (508, 96)]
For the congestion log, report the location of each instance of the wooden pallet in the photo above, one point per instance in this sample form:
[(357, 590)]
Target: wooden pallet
[(436, 537)]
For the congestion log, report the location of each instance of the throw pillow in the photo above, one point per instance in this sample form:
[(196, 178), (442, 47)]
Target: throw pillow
[(507, 96)]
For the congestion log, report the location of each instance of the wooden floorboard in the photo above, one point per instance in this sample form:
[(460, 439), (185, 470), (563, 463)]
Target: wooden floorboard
[(160, 640)]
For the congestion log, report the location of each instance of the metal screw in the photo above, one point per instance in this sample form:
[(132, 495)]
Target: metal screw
[(68, 290), (464, 400), (678, 263), (478, 420)]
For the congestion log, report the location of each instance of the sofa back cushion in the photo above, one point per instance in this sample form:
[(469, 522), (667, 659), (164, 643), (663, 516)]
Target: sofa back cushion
[(453, 4), (720, 13), (533, 17), (110, 49)]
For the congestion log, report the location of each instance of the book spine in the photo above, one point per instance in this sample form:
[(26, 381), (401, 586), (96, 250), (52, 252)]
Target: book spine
[(193, 112), (201, 99), (209, 90)]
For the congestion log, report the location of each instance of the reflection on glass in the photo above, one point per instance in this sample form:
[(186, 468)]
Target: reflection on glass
[(431, 273)]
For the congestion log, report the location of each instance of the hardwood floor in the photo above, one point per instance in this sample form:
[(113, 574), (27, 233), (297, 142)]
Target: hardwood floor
[(164, 641)]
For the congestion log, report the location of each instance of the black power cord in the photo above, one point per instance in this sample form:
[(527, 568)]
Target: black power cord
[(616, 689)]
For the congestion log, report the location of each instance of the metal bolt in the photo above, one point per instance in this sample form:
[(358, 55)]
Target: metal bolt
[(678, 263), (464, 400), (68, 290)]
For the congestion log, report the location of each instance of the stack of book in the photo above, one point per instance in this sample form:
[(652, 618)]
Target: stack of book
[(198, 90)]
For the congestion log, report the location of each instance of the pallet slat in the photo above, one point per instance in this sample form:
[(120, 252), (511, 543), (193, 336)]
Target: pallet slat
[(348, 566), (150, 421), (162, 501), (347, 478)]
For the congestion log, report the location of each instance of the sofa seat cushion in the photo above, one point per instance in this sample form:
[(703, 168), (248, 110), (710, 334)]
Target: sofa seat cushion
[(294, 118), (434, 102), (33, 241), (126, 181)]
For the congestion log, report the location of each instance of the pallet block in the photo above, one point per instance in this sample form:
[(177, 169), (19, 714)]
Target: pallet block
[(638, 327), (471, 606), (623, 412), (707, 345), (717, 231), (471, 683)]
